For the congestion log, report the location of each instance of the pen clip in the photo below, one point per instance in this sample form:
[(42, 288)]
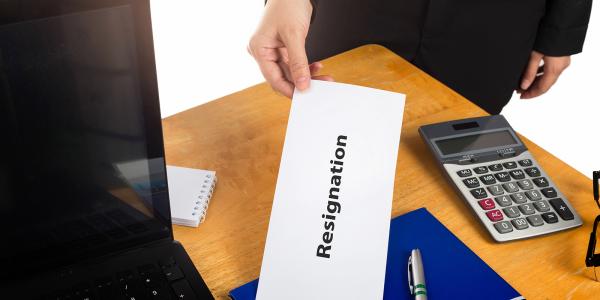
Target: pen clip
[(411, 281)]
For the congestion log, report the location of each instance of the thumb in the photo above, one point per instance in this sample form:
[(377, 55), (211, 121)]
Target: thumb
[(298, 63), (531, 70)]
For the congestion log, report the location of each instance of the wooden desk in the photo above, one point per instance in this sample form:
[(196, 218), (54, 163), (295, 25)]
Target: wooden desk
[(241, 137)]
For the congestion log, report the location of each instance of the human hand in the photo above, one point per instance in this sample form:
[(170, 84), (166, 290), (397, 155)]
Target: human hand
[(538, 79), (278, 46)]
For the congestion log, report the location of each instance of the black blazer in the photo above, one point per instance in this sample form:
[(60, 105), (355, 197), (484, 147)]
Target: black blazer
[(478, 48)]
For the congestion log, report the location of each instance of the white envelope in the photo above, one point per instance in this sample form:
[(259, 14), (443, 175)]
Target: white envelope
[(329, 227)]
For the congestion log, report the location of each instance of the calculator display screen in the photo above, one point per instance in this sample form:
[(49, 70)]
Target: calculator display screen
[(476, 142)]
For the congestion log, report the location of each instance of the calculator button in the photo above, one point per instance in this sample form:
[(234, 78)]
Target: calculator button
[(502, 176), (533, 195), (496, 190), (541, 206), (517, 174), (481, 170), (479, 193), (520, 223), (503, 201), (549, 192), (510, 165), (527, 209), (535, 220), (503, 227), (495, 167), (495, 215), (487, 204), (525, 163), (525, 184), (561, 208), (519, 198), (488, 179), (511, 212), (533, 172), (550, 217), (471, 182), (464, 173), (511, 187), (541, 182)]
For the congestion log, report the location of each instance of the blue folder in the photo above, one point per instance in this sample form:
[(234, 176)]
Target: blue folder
[(452, 271)]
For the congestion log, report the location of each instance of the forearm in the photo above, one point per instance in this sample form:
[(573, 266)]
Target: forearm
[(563, 28)]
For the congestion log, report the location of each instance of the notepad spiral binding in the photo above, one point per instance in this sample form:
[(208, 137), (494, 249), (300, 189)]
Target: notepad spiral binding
[(206, 192)]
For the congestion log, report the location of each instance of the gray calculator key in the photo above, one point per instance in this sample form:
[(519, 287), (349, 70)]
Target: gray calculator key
[(541, 182), (520, 223), (480, 170), (464, 173), (479, 193), (549, 192), (527, 209), (535, 220), (525, 163), (511, 212), (533, 172), (517, 174), (488, 179), (495, 167), (502, 176), (542, 206), (503, 200), (533, 195), (525, 184), (550, 217), (503, 227), (511, 187), (562, 209), (471, 182), (496, 190), (518, 198)]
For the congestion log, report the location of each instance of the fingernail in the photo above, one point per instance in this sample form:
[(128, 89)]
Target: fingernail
[(525, 84), (301, 83)]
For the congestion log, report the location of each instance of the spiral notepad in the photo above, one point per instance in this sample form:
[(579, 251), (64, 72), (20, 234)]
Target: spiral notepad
[(190, 191)]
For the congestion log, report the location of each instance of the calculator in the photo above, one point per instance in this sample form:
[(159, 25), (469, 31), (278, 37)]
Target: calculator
[(497, 176)]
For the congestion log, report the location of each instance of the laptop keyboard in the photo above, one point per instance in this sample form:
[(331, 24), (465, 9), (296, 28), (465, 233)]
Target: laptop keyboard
[(164, 280)]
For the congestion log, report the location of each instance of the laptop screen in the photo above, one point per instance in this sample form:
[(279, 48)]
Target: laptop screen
[(82, 163)]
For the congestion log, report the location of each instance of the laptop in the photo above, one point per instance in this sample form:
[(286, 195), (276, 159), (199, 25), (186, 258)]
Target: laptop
[(78, 100)]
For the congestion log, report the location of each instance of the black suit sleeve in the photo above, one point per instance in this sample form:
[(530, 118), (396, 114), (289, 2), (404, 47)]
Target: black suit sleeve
[(563, 27)]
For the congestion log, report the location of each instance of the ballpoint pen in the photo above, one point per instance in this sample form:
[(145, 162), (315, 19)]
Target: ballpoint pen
[(416, 275)]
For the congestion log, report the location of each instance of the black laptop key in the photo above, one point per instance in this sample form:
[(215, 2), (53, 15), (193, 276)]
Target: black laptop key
[(166, 262), (133, 290), (151, 276), (82, 291), (173, 273), (183, 290), (106, 288), (124, 276), (159, 293), (147, 269)]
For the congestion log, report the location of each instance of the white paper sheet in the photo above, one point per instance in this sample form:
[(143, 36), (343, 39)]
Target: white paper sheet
[(329, 125)]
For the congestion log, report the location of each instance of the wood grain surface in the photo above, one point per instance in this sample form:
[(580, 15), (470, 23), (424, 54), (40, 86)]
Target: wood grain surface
[(241, 137)]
